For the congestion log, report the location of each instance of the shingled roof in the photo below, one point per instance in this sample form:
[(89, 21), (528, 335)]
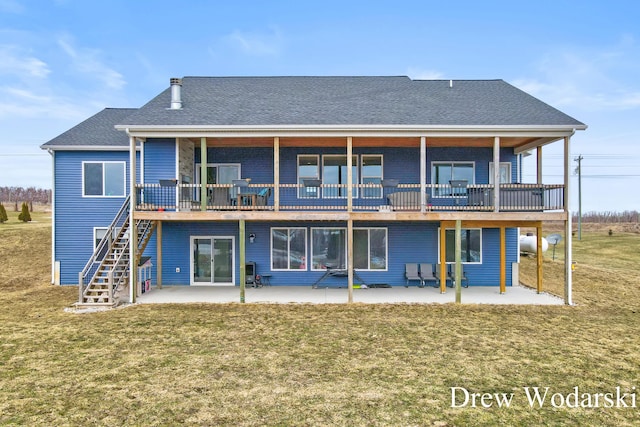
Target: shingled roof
[(95, 132), (268, 101)]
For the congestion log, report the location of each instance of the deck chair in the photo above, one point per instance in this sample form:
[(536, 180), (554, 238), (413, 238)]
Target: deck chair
[(262, 198), (452, 276), (439, 276), (411, 273), (219, 196), (426, 274)]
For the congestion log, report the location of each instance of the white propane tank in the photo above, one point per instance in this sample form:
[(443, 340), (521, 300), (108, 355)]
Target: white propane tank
[(529, 243)]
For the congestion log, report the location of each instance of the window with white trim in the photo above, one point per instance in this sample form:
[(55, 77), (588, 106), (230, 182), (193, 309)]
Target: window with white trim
[(103, 179), (370, 248), (329, 248), (505, 172), (371, 171), (444, 172), (308, 169), (471, 244), (289, 248), (334, 174)]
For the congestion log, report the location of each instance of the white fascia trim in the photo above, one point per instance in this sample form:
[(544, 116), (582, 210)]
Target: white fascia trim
[(183, 131)]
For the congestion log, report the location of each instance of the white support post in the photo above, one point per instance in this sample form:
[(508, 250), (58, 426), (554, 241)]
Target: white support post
[(496, 174), (133, 231), (423, 174), (349, 174)]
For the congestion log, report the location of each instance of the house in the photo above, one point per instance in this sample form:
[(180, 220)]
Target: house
[(306, 180)]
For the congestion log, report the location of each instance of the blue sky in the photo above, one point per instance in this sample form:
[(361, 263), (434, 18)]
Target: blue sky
[(62, 61)]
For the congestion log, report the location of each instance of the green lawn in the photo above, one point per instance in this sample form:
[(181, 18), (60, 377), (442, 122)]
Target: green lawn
[(319, 365)]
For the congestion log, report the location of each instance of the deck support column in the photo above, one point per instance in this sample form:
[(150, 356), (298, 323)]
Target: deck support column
[(276, 173), (159, 255), (568, 225), (443, 261), (539, 256), (349, 174), (539, 165), (496, 174), (133, 230), (423, 174), (458, 270), (203, 174), (243, 271), (503, 260), (350, 260)]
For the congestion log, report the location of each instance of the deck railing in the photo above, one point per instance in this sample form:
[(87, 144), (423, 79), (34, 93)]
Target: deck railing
[(365, 197)]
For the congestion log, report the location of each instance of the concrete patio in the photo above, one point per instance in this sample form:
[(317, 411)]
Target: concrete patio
[(515, 295)]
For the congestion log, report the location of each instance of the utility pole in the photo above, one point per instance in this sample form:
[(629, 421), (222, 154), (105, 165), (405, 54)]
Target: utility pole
[(579, 171)]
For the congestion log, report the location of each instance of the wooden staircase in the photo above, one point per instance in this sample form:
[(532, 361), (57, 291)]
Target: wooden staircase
[(106, 274)]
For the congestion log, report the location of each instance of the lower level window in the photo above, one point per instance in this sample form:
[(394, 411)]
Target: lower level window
[(329, 248), (471, 240), (288, 248)]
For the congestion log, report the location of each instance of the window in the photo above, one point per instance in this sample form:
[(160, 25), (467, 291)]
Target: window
[(308, 169), (334, 172), (443, 172), (372, 174), (471, 242), (505, 173), (103, 179), (98, 234), (370, 248), (288, 248), (329, 248)]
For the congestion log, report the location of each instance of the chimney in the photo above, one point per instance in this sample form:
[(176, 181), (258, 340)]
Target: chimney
[(176, 85)]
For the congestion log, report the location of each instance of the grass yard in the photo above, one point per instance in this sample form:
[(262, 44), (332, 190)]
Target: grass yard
[(319, 365)]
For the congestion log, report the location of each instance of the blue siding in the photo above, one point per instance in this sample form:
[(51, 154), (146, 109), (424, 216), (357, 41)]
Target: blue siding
[(159, 160), (76, 216), (413, 242)]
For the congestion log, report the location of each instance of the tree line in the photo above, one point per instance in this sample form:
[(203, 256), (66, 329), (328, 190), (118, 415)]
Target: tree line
[(609, 217), (15, 196)]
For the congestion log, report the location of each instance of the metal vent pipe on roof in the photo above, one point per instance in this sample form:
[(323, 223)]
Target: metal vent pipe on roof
[(176, 101)]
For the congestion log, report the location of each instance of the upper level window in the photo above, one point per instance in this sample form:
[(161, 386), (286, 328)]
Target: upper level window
[(505, 173), (372, 174), (444, 172), (334, 174), (103, 179), (308, 171)]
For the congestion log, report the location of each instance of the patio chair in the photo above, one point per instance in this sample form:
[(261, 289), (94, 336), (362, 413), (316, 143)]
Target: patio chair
[(426, 274), (452, 276), (262, 198), (219, 196), (411, 273), (439, 276)]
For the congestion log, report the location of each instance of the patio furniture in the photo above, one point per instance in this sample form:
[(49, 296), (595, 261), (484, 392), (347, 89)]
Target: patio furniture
[(452, 276), (439, 276), (219, 196), (336, 272), (411, 273), (406, 200), (262, 198), (265, 279), (426, 274)]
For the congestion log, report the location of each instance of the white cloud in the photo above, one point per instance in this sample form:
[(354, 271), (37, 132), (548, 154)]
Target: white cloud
[(587, 79), (88, 62), (267, 43), (14, 61)]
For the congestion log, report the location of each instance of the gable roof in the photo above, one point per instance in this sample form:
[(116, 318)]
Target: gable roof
[(348, 101), (96, 132)]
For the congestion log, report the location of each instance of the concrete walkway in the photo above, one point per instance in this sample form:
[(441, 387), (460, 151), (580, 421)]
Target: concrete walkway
[(515, 295)]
